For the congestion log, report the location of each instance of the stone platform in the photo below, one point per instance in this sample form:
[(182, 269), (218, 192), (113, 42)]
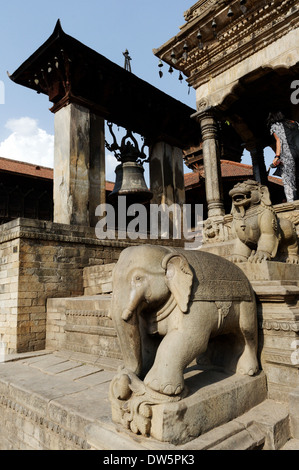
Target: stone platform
[(59, 401)]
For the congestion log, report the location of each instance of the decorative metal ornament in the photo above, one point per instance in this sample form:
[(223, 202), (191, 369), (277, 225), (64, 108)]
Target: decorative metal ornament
[(214, 26), (185, 49), (243, 6), (129, 180), (127, 65), (199, 37), (160, 65), (230, 13), (173, 58)]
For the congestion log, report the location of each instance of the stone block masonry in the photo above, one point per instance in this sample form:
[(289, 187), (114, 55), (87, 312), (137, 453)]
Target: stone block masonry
[(9, 280), (41, 260)]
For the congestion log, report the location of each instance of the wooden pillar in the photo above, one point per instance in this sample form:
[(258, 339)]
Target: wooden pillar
[(167, 174), (79, 165), (211, 157)]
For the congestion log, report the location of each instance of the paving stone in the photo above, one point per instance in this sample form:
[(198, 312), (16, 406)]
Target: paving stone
[(96, 379), (61, 367), (81, 372)]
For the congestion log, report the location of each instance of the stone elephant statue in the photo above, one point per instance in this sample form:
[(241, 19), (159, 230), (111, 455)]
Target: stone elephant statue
[(167, 304)]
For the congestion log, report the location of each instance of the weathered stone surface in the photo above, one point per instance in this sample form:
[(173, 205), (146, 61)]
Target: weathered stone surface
[(260, 234), (292, 444), (213, 399), (68, 410), (44, 408), (79, 166), (98, 279), (277, 291), (271, 271), (40, 260), (272, 420), (82, 324), (294, 412)]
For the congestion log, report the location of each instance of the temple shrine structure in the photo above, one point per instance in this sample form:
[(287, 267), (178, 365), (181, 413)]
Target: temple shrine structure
[(59, 349)]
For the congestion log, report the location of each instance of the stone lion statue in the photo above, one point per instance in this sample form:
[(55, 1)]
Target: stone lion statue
[(260, 233)]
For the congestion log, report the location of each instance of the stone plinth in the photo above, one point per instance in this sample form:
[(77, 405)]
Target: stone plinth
[(271, 271), (214, 398)]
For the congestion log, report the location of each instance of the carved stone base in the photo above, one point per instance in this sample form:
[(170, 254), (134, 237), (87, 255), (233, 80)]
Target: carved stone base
[(213, 398), (277, 290)]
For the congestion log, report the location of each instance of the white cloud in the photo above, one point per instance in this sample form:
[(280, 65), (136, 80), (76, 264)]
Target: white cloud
[(28, 143), (111, 163)]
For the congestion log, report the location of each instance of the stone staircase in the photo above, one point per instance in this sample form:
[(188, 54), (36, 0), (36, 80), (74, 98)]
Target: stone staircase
[(82, 324)]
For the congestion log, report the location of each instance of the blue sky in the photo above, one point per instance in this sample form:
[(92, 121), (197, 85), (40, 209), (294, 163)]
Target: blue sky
[(109, 27)]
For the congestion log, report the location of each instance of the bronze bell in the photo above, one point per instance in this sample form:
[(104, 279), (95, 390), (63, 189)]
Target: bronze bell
[(130, 182)]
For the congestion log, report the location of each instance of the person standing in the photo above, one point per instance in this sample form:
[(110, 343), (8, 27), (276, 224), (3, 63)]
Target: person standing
[(286, 134)]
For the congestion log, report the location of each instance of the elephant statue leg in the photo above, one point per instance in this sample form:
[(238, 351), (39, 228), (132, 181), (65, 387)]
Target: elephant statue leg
[(247, 363), (149, 345), (173, 355)]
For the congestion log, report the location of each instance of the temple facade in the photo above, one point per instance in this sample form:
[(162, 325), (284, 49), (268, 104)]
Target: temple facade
[(241, 57)]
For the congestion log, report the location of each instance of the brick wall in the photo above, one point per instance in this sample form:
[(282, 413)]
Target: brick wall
[(40, 260), (9, 262)]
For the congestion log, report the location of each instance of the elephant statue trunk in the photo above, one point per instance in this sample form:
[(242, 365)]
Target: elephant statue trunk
[(126, 324)]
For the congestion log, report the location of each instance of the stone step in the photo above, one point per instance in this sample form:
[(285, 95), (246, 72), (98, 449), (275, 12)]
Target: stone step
[(87, 305), (82, 324), (265, 426), (98, 279)]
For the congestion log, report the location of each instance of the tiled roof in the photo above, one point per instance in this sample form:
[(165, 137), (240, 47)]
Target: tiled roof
[(29, 169), (229, 169), (21, 168)]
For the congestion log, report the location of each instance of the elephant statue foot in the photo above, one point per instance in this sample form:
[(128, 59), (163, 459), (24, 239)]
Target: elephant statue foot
[(247, 364), (132, 402)]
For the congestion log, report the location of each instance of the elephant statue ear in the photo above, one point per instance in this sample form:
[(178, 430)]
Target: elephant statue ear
[(179, 278)]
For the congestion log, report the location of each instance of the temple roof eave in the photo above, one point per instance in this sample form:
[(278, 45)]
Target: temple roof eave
[(81, 75)]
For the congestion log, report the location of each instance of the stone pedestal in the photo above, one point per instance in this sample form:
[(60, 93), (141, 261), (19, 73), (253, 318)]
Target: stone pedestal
[(79, 166), (214, 398)]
